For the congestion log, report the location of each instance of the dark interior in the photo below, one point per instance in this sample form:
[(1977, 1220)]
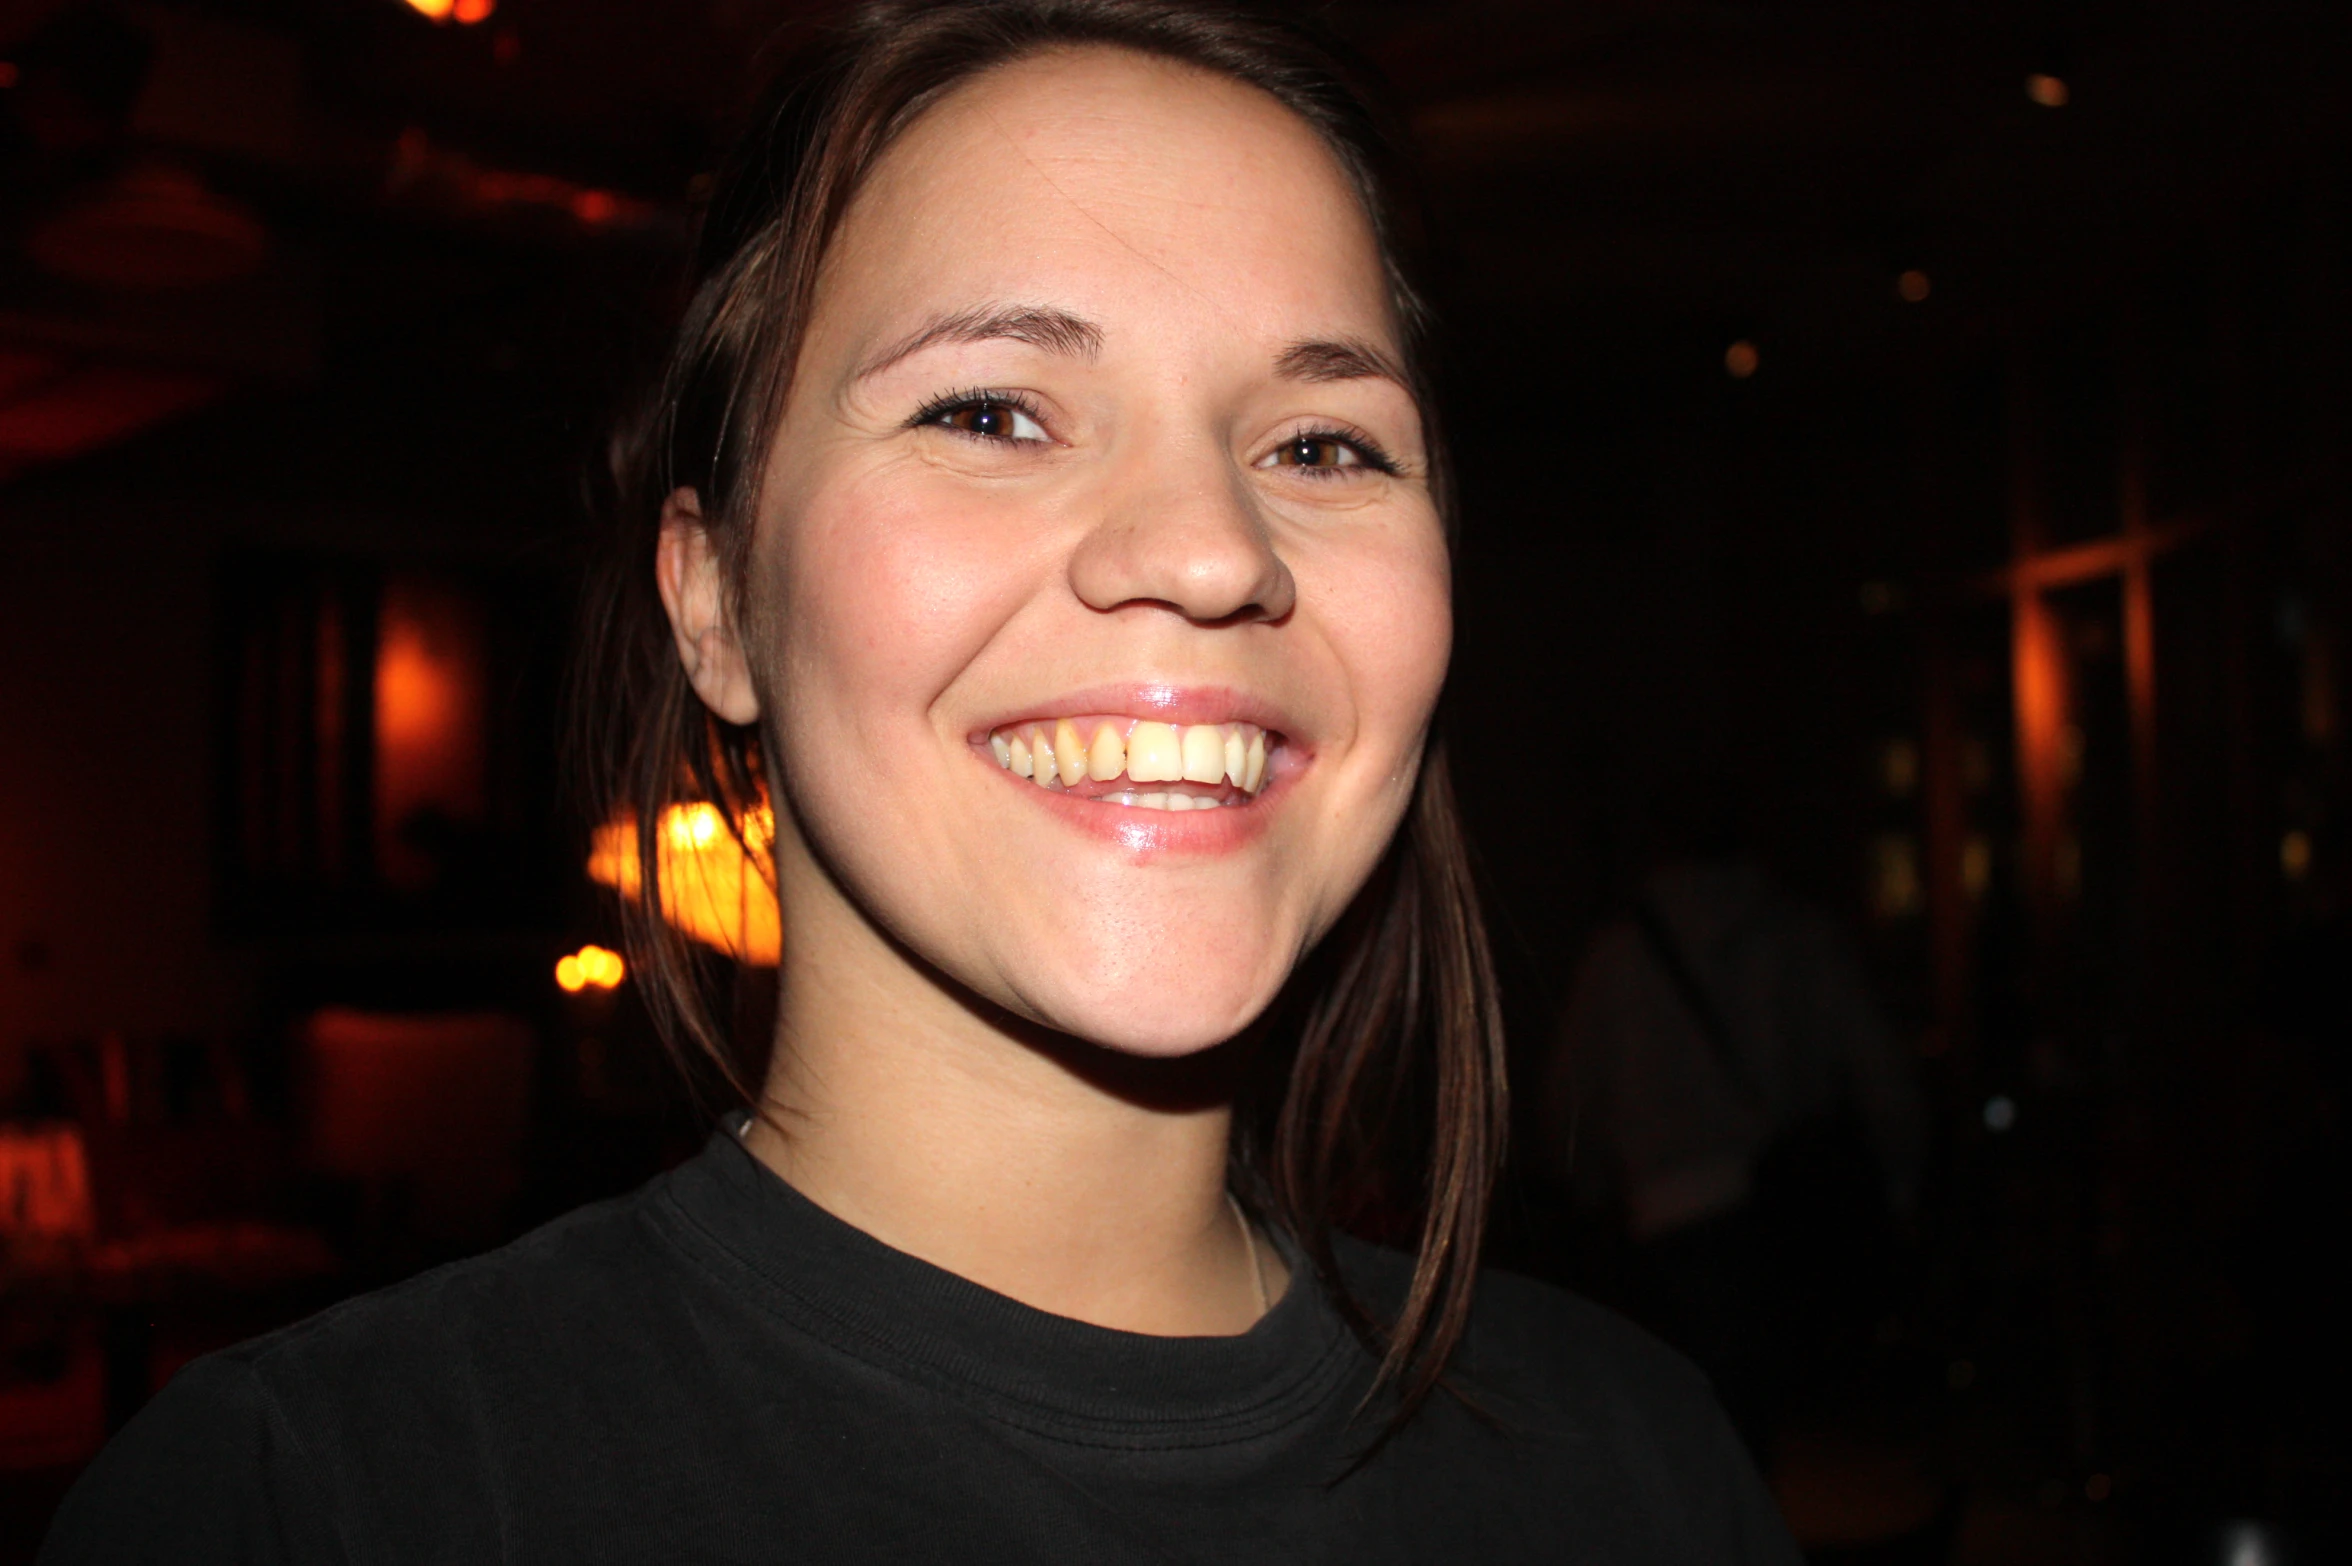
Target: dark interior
[(1905, 440)]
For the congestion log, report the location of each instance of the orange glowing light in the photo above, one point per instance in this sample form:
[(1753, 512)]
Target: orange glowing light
[(1914, 286), (471, 11), (595, 206), (432, 719), (1740, 360), (438, 10), (591, 967), (2048, 91), (712, 889)]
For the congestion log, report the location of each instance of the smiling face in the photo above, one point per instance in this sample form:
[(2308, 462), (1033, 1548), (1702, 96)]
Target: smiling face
[(1098, 599)]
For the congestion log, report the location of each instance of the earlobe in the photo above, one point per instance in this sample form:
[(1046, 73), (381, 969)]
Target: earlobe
[(694, 590)]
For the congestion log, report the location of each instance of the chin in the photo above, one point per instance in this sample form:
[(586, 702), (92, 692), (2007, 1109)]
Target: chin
[(1157, 997)]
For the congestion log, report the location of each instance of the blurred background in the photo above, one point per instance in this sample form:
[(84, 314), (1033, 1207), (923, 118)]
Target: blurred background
[(1904, 616)]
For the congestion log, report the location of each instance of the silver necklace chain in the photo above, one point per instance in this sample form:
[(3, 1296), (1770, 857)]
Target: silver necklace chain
[(1249, 1238)]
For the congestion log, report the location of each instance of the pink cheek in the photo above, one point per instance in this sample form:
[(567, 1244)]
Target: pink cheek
[(1393, 617), (893, 594)]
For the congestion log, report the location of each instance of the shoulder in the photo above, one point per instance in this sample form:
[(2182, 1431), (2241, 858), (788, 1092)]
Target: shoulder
[(1546, 1350), (1554, 1351), (1574, 1392), (268, 1450), (589, 1267), (204, 1474)]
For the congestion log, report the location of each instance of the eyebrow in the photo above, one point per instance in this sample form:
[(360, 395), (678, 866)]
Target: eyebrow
[(1312, 360), (1316, 360), (1040, 326)]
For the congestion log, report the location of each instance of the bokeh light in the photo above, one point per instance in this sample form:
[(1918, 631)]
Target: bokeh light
[(591, 967), (714, 888)]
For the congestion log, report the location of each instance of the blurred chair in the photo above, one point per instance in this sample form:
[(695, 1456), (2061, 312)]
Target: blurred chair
[(137, 1234), (52, 1395)]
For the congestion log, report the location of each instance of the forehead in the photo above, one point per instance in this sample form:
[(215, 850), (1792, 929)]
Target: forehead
[(1119, 187)]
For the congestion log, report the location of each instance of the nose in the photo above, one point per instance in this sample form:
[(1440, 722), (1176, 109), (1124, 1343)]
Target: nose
[(1184, 533)]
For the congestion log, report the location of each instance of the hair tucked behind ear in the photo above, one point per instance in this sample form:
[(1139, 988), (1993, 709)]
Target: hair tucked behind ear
[(1391, 1033)]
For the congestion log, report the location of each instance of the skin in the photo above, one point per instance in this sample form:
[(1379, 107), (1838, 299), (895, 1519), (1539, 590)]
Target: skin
[(998, 1041)]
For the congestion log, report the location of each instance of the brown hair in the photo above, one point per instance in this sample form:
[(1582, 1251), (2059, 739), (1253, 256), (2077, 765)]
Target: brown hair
[(1393, 1028)]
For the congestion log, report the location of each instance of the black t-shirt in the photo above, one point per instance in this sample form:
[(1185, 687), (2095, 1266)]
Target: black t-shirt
[(715, 1369)]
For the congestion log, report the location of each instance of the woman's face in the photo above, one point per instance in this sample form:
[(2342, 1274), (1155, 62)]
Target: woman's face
[(1098, 599)]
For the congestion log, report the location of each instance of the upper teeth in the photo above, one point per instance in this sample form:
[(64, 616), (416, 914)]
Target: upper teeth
[(1076, 750)]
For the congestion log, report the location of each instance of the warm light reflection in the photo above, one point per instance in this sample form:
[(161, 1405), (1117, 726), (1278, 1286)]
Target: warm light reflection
[(461, 11), (2048, 91), (2042, 698), (2295, 855), (1897, 888), (44, 1184), (432, 722), (591, 967), (711, 888), (1898, 767), (1976, 868), (1914, 286), (2068, 866), (1740, 360)]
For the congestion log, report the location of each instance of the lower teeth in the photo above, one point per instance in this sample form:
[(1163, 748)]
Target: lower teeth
[(1162, 801)]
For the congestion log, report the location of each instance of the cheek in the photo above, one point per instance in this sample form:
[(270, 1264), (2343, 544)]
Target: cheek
[(1386, 614), (882, 594), (1387, 609)]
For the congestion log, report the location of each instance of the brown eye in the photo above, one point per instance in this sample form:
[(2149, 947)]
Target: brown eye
[(1316, 451), (990, 420)]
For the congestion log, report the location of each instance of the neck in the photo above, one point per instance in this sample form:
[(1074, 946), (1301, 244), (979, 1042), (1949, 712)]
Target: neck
[(1075, 1180)]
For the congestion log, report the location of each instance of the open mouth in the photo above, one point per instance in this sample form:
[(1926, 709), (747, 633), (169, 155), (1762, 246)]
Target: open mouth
[(1114, 760)]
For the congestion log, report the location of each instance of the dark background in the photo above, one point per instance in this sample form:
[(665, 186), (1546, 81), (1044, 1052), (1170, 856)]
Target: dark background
[(2004, 600)]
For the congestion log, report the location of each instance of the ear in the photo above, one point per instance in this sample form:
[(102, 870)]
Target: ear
[(694, 591)]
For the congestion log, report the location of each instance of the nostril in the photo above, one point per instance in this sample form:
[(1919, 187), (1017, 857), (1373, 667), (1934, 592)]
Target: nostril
[(1207, 556)]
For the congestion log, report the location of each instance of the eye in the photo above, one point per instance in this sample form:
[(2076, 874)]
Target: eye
[(985, 416), (1328, 452)]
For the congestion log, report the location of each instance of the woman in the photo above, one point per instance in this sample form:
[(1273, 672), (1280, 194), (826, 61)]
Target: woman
[(1041, 510)]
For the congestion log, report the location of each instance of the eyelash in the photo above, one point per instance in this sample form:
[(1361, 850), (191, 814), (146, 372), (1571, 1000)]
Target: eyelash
[(956, 402), (1374, 456)]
